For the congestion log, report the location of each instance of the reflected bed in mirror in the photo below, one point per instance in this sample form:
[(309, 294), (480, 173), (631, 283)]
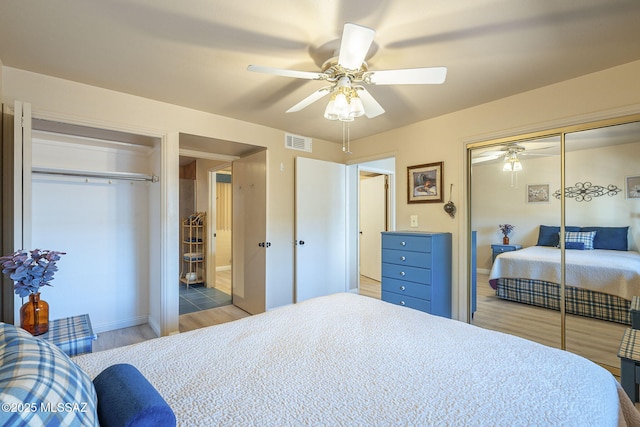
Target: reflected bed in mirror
[(602, 153)]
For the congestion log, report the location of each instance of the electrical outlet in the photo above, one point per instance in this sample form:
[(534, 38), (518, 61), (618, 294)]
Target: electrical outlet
[(414, 220)]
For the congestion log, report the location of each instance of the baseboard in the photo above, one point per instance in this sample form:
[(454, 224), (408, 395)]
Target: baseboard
[(483, 270), (155, 326), (134, 321), (223, 268)]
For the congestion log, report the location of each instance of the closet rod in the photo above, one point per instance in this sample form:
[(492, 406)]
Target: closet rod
[(94, 174)]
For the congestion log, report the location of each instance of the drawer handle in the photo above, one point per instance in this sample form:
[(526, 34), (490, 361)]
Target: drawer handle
[(403, 258), (402, 288), (403, 244), (402, 303), (402, 273)]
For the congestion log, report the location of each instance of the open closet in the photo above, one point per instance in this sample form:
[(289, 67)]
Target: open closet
[(93, 196), (566, 276)]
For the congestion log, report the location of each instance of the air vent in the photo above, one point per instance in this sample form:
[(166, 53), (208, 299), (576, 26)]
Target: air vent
[(296, 142)]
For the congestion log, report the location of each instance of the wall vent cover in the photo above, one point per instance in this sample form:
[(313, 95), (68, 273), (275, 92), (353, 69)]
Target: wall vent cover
[(297, 142)]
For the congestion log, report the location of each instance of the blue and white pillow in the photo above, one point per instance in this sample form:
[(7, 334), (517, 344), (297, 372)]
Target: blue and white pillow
[(40, 384), (584, 237)]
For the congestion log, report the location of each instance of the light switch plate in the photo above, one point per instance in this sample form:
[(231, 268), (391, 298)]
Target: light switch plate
[(414, 220)]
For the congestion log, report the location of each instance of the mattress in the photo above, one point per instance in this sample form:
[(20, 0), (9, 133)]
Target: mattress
[(346, 359)]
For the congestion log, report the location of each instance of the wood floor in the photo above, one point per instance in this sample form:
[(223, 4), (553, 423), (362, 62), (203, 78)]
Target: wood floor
[(597, 340), (188, 322)]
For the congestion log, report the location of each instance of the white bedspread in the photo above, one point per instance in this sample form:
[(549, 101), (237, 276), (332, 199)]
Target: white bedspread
[(351, 360), (611, 272)]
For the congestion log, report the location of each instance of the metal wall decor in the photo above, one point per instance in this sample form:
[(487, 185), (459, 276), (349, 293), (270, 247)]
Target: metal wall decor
[(585, 191)]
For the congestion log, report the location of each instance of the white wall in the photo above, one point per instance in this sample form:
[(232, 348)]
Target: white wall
[(101, 224), (608, 93)]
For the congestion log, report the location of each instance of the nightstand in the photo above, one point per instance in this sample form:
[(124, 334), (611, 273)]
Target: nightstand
[(498, 249), (73, 335)]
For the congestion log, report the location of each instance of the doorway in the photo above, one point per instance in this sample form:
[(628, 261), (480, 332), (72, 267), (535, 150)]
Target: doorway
[(205, 201), (376, 183), (211, 163)]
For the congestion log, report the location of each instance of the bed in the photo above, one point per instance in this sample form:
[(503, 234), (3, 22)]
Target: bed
[(600, 280), (346, 359)]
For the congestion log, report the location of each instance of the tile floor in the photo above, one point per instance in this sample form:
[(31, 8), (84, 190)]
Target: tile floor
[(198, 297)]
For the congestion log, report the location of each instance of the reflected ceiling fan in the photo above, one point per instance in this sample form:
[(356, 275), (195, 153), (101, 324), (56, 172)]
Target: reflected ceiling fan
[(347, 72), (510, 153)]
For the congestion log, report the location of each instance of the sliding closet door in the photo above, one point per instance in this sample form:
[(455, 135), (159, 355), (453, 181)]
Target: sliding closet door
[(511, 185), (602, 196)]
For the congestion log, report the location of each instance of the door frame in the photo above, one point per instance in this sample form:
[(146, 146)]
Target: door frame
[(370, 164)]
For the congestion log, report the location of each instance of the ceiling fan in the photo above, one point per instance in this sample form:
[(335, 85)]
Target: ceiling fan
[(510, 153), (347, 72)]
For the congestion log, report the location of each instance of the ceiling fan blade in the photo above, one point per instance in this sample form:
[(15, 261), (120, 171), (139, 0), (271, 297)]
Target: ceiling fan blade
[(484, 159), (409, 76), (356, 41), (310, 99), (287, 73), (371, 107)]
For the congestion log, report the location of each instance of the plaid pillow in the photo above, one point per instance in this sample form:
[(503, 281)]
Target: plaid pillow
[(584, 237), (40, 385)]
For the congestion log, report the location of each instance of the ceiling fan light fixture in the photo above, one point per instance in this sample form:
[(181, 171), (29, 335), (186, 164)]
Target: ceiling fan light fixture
[(344, 105), (517, 166), (357, 108), (512, 163)]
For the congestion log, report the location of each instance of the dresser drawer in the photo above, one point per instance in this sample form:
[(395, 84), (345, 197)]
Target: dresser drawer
[(406, 301), (404, 257), (418, 243), (405, 272), (402, 287)]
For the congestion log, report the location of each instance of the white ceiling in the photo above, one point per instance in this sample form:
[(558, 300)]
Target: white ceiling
[(195, 53)]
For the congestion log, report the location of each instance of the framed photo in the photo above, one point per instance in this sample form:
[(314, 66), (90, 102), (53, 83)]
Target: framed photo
[(632, 187), (424, 183), (538, 193)]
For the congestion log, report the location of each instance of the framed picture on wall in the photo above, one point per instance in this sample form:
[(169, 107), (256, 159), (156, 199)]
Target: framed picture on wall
[(537, 193), (632, 187), (424, 183)]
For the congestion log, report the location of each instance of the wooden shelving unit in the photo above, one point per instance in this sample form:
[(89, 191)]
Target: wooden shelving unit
[(193, 254)]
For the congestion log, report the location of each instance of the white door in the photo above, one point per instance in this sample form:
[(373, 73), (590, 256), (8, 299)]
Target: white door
[(320, 228), (16, 232), (372, 222), (249, 232)]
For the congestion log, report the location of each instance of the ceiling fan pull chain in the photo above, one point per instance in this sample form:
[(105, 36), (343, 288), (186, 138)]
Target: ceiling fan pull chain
[(346, 140)]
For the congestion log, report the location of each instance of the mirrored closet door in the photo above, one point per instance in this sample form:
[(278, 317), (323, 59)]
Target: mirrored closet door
[(511, 185), (602, 264), (569, 200)]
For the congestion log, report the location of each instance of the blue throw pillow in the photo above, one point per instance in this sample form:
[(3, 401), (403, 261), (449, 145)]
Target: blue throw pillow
[(611, 238), (548, 235), (126, 398), (40, 384)]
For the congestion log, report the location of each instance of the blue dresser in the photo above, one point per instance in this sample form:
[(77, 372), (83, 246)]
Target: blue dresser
[(416, 271)]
